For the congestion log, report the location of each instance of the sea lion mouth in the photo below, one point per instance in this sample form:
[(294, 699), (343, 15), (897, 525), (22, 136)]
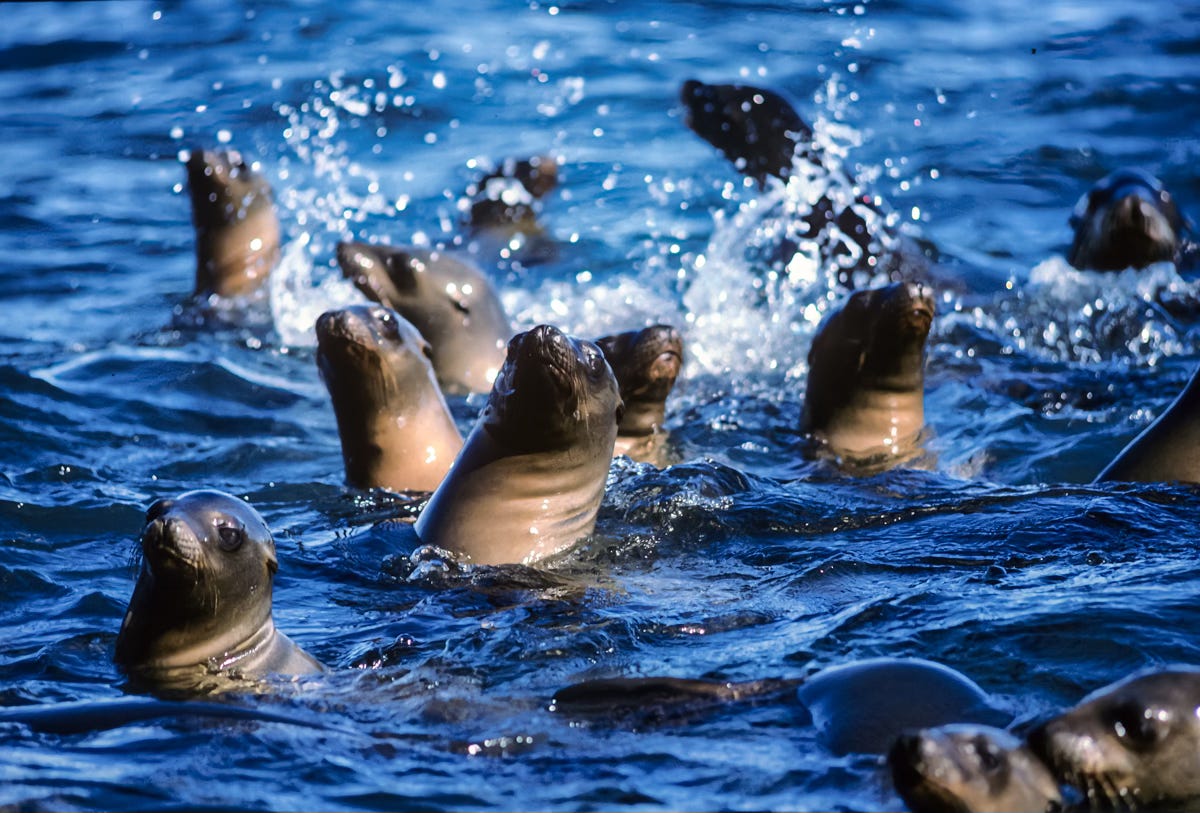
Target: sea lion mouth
[(171, 547)]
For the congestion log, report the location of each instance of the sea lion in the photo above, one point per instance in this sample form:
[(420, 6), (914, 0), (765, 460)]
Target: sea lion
[(237, 229), (753, 127), (964, 768), (838, 224), (396, 430), (864, 403), (200, 616), (1131, 744), (87, 716), (863, 706), (1167, 450), (1127, 220), (646, 363), (448, 300), (532, 472), (506, 199), (859, 707)]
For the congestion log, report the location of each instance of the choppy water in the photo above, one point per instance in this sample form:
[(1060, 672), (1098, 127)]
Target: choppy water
[(981, 123)]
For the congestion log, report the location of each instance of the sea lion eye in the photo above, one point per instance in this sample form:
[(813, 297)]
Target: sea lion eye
[(230, 537), (1140, 727), (427, 349), (989, 758)]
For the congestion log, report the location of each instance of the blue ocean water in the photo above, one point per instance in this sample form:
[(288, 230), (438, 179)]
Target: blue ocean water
[(980, 123)]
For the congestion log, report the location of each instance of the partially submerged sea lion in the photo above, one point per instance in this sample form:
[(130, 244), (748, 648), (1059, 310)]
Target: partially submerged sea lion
[(531, 474), (862, 706), (646, 363), (859, 707), (965, 768), (449, 300), (1127, 220), (396, 430), (200, 616), (865, 399), (1167, 450), (1131, 744), (237, 229)]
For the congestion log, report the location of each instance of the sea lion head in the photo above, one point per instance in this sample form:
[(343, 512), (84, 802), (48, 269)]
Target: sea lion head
[(646, 363), (507, 198), (552, 390), (1130, 744), (237, 229), (965, 768), (753, 127), (374, 356), (450, 301), (875, 340), (1127, 220), (395, 429), (208, 560)]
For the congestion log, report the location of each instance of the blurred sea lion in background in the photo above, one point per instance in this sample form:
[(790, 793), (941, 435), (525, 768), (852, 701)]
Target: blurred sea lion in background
[(764, 137), (396, 430), (448, 299), (501, 211), (237, 229), (1129, 220)]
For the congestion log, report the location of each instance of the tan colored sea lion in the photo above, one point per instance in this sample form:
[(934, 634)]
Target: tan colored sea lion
[(396, 430), (864, 404), (1132, 744), (1167, 450), (449, 300), (200, 616), (964, 768), (237, 229), (531, 475), (646, 363)]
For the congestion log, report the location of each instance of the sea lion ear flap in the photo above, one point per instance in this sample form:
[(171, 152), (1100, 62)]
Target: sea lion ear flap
[(272, 558)]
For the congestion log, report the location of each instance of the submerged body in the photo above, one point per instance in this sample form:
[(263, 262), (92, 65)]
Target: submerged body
[(859, 707), (200, 617), (646, 363), (1127, 220), (449, 300), (395, 428), (532, 472), (1130, 744), (237, 229), (864, 404), (964, 768)]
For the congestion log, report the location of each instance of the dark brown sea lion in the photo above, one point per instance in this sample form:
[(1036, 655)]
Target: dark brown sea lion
[(646, 363), (1132, 744), (1167, 450), (237, 229), (1127, 220), (859, 707), (764, 137), (200, 616), (964, 768), (531, 475), (449, 300), (396, 430), (864, 404)]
